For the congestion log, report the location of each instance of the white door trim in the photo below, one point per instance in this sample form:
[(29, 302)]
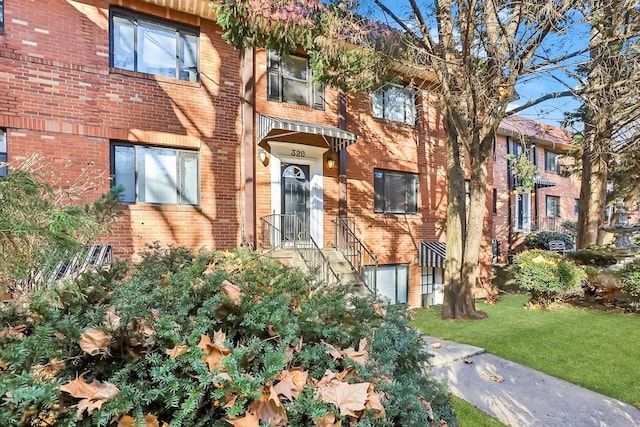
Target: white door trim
[(304, 155)]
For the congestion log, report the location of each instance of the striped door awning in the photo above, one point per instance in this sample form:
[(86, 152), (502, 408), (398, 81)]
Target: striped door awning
[(339, 138), (433, 254)]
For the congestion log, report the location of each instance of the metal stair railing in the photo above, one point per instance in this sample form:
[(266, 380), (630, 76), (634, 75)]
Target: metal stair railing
[(362, 261), (288, 231)]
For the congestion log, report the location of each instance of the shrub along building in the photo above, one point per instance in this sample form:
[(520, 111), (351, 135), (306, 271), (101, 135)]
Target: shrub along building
[(551, 204), (218, 149)]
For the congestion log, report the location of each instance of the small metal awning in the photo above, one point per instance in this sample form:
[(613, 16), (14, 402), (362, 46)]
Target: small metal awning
[(338, 138), (543, 183), (433, 254)]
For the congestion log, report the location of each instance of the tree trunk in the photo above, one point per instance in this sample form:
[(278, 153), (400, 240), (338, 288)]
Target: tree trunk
[(593, 192)]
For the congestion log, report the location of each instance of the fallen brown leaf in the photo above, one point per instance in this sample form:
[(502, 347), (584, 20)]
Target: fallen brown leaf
[(214, 351), (95, 342), (93, 395), (328, 420), (270, 409), (291, 383), (436, 345), (177, 351), (348, 398), (13, 332), (374, 402), (232, 291), (49, 371), (493, 377), (249, 420)]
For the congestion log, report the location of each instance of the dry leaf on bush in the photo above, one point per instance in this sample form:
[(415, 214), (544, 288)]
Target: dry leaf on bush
[(176, 351), (49, 371), (249, 420), (13, 332), (427, 407), (111, 319), (214, 351), (150, 420), (328, 420), (93, 395), (361, 356), (232, 291), (3, 365), (291, 383), (270, 409), (349, 398), (94, 341), (334, 352), (374, 402)]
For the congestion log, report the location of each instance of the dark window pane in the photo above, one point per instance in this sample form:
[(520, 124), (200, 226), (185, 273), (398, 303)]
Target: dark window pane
[(273, 87)]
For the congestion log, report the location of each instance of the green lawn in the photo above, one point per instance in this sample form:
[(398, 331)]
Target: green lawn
[(595, 349), (470, 416)]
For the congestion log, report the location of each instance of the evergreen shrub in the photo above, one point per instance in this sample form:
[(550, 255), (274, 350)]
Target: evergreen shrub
[(630, 279), (211, 339), (541, 239), (548, 276)]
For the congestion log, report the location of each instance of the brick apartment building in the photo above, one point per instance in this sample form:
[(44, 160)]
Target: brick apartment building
[(554, 198), (219, 149)]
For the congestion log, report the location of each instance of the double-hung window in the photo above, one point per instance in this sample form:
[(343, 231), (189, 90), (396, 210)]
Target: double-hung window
[(395, 103), (155, 175), (3, 152), (290, 81), (1, 16), (395, 192), (551, 163), (552, 206), (152, 46)]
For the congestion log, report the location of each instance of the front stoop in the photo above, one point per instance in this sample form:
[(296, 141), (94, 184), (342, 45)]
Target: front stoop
[(337, 261)]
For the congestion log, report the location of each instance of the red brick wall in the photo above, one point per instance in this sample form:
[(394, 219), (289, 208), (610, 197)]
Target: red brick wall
[(567, 188), (59, 99)]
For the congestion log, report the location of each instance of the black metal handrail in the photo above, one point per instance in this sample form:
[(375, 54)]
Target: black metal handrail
[(355, 252), (288, 231)]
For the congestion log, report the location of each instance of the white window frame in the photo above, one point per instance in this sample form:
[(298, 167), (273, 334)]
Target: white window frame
[(136, 183), (186, 40), (384, 100)]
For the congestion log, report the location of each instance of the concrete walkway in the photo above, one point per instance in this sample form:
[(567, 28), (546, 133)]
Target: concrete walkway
[(519, 396)]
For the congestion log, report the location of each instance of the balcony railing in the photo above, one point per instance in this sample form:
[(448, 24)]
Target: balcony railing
[(357, 254), (288, 231)]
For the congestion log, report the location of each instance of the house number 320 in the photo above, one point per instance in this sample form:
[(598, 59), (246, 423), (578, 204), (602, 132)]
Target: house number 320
[(297, 153)]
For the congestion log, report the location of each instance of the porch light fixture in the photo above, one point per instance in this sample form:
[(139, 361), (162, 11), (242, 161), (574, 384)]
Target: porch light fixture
[(331, 163), (262, 155)]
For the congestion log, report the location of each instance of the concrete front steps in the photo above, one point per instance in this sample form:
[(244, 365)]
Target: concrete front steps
[(337, 261)]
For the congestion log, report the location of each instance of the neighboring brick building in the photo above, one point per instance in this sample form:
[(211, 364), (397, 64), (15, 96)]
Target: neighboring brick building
[(554, 198), (218, 149)]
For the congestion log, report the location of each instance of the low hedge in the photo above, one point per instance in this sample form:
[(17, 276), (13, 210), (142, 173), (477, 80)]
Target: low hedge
[(211, 339)]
